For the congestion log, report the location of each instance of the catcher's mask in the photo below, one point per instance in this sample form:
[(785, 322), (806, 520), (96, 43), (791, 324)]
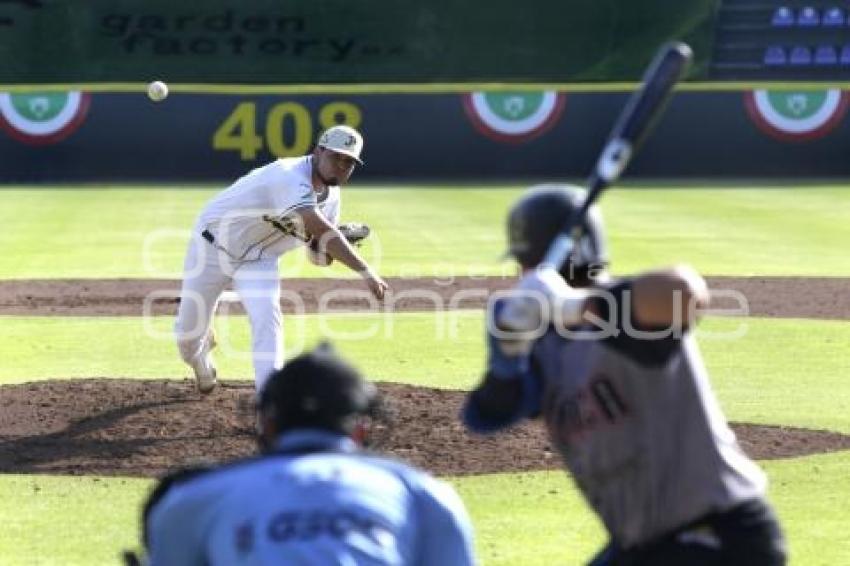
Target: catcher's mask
[(320, 390), (538, 216)]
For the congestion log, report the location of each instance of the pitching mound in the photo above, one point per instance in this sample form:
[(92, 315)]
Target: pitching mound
[(143, 428)]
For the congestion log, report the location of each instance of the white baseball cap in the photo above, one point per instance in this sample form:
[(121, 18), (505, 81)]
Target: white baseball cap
[(343, 139)]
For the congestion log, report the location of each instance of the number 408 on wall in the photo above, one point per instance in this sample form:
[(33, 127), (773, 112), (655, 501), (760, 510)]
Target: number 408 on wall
[(238, 132)]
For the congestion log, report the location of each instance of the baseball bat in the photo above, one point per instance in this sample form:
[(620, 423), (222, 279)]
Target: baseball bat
[(632, 126), (637, 119)]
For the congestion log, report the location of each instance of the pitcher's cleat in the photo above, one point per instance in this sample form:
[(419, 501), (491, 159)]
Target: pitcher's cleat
[(205, 374)]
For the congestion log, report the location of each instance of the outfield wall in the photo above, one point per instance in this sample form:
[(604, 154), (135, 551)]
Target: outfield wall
[(343, 41), (103, 137)]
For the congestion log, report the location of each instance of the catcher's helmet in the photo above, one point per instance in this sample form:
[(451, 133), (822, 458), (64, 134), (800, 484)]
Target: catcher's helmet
[(538, 216), (317, 389)]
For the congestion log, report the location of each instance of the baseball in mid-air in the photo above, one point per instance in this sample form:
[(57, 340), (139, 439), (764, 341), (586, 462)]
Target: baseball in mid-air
[(157, 91)]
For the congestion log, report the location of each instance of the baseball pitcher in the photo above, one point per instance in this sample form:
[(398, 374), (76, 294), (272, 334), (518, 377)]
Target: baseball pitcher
[(242, 232)]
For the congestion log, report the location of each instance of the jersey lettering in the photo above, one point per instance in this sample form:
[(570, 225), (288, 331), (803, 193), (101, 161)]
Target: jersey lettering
[(574, 416), (288, 225), (308, 525), (608, 399)]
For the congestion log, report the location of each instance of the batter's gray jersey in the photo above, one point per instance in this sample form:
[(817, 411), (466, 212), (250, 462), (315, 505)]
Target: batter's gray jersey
[(640, 429)]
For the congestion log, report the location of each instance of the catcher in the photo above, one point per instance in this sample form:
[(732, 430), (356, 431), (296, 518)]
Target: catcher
[(313, 496), (242, 232)]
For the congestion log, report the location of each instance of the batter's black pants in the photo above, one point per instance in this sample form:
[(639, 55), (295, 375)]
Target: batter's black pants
[(746, 535)]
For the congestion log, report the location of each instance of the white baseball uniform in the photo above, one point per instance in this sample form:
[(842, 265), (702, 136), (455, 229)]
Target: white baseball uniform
[(239, 237)]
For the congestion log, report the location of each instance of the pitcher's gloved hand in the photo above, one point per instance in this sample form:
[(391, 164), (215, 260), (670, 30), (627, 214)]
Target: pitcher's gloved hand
[(354, 232)]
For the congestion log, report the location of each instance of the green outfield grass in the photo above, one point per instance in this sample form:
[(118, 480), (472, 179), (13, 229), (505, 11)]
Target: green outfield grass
[(85, 521), (791, 372), (539, 519), (421, 231), (389, 348), (781, 371), (530, 519)]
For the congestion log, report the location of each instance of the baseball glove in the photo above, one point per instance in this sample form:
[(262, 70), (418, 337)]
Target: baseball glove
[(354, 232)]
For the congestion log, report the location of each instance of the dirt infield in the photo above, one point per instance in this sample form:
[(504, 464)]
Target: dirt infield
[(143, 428), (790, 297)]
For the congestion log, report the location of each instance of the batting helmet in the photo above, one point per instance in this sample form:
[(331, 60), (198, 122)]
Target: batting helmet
[(538, 216), (317, 390)]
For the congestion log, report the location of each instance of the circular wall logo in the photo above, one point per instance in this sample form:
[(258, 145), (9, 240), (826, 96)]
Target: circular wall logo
[(796, 115), (514, 117), (42, 118)]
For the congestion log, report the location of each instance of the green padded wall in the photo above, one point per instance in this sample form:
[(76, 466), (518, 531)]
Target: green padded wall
[(344, 41)]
